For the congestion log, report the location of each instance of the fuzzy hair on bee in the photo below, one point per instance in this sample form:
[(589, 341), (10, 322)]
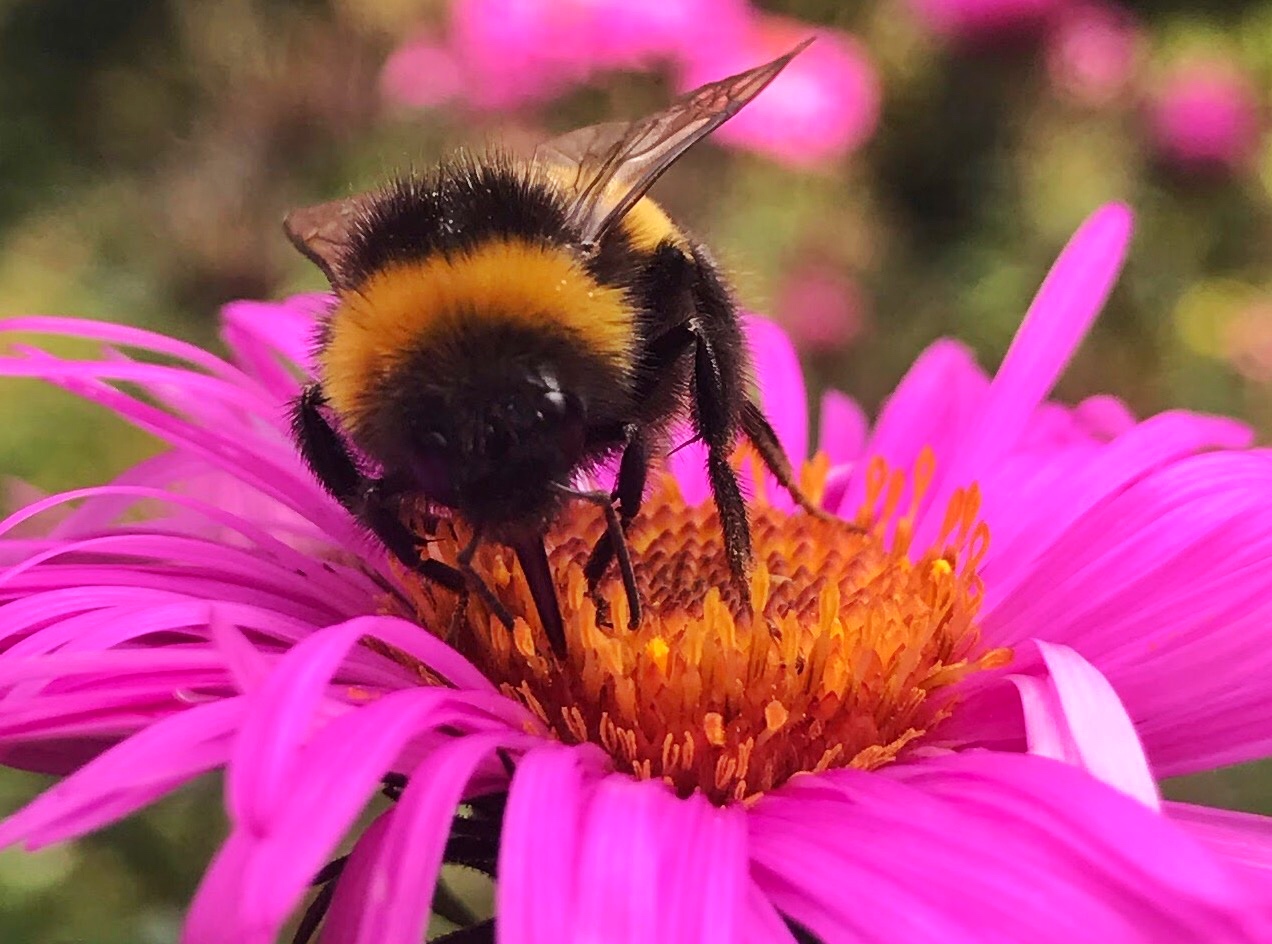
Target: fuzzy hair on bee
[(504, 325)]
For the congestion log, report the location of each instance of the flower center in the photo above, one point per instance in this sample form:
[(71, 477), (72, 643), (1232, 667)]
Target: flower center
[(841, 651)]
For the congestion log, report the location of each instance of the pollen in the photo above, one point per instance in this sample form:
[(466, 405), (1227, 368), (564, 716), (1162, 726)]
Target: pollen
[(843, 649)]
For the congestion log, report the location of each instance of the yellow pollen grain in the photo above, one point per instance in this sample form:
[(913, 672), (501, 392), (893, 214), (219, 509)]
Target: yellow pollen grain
[(775, 715), (713, 726), (657, 651), (846, 648)]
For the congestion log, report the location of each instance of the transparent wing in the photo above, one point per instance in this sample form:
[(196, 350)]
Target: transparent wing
[(322, 232), (609, 167)]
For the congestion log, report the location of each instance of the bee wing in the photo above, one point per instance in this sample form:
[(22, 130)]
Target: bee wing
[(627, 157), (322, 232)]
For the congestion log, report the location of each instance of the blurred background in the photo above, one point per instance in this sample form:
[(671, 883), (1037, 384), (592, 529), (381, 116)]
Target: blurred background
[(912, 175)]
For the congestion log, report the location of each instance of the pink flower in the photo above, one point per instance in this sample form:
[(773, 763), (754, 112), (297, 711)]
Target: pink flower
[(421, 73), (626, 34), (517, 52), (211, 607), (823, 106), (1092, 52), (821, 308), (1205, 116), (985, 20)]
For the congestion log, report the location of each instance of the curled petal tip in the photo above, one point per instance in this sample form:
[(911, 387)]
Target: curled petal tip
[(1113, 221)]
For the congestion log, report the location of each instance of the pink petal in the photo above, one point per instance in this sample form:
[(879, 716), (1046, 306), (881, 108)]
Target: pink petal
[(983, 846), (1164, 588), (261, 782), (932, 406), (1242, 840), (131, 775), (258, 453), (1075, 716), (266, 337), (354, 890), (126, 336), (1068, 301), (618, 884), (763, 924), (781, 383), (411, 853), (539, 846), (688, 464), (843, 429), (331, 778), (1025, 517), (215, 915), (1104, 416), (243, 660), (655, 868)]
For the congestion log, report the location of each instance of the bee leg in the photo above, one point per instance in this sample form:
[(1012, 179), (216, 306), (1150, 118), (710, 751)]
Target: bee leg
[(629, 490), (324, 451), (716, 422), (633, 470), (617, 539), (759, 432), (369, 500), (533, 557), (473, 581)]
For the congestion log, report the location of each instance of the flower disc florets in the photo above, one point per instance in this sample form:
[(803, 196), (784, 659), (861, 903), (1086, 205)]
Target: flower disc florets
[(840, 651)]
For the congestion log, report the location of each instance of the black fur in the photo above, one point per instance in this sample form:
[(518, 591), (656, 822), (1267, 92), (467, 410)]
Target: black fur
[(494, 419), (462, 205)]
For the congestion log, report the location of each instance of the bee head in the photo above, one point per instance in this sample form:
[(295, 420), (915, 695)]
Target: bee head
[(497, 451)]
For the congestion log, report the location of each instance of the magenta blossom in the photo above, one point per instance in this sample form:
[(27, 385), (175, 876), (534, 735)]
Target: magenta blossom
[(982, 21), (824, 105), (511, 53), (422, 73), (213, 608), (821, 308), (1205, 116), (1093, 50)]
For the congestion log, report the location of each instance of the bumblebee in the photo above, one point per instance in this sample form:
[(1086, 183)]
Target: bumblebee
[(504, 325)]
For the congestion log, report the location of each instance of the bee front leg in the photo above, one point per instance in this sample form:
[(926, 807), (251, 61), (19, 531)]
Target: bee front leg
[(629, 492), (472, 580), (615, 532), (372, 501)]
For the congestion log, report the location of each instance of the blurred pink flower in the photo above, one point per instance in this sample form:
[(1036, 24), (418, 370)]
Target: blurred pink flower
[(505, 54), (638, 33), (212, 606), (977, 21), (1092, 52), (421, 73), (823, 106), (519, 52), (1205, 115), (821, 308)]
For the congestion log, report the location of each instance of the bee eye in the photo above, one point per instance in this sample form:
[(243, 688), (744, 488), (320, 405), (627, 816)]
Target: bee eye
[(433, 441), (555, 404)]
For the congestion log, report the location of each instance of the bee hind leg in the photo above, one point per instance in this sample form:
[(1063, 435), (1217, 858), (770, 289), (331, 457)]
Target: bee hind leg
[(759, 432), (716, 422)]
